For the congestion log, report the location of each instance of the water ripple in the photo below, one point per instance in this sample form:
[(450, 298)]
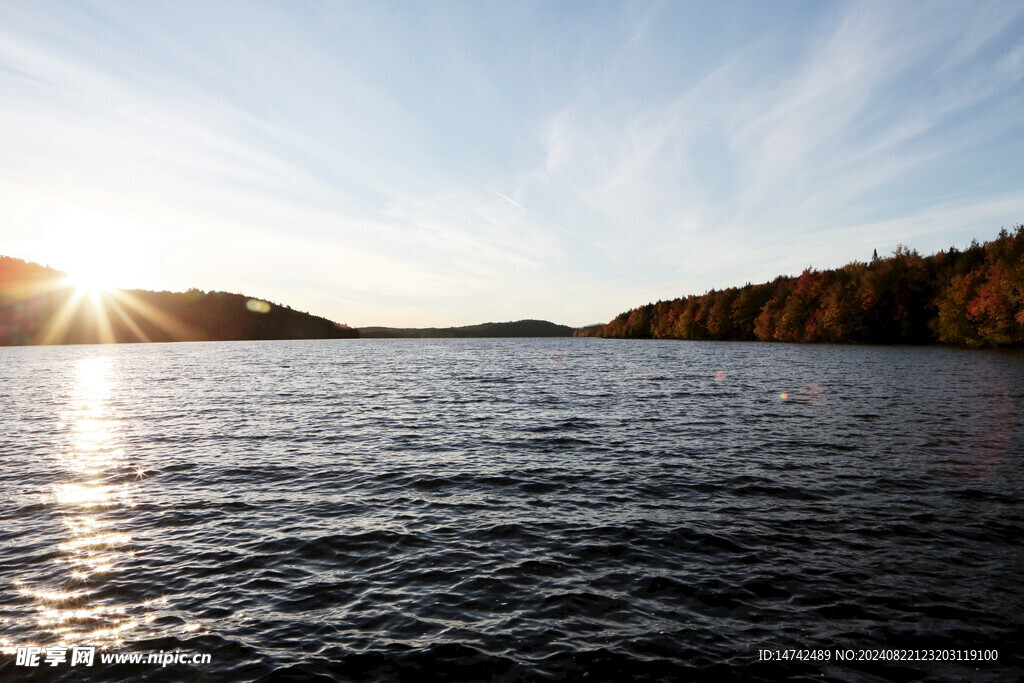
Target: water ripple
[(513, 509)]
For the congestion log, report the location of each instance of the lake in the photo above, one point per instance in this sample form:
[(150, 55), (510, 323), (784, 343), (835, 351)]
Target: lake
[(514, 509)]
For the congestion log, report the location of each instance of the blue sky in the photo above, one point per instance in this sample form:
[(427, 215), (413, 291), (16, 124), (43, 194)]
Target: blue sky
[(454, 163)]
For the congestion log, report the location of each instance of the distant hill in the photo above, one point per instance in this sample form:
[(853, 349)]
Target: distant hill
[(973, 297), (521, 328), (37, 307)]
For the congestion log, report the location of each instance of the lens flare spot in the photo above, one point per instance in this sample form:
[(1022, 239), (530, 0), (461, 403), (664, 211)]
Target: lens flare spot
[(784, 396), (257, 306), (813, 393)]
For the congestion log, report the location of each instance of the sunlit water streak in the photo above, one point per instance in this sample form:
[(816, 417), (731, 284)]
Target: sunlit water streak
[(514, 509), (74, 599)]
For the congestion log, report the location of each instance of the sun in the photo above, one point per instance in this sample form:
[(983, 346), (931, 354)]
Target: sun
[(91, 280), (100, 252), (106, 259)]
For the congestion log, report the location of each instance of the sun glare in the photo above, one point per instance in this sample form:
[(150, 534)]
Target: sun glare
[(90, 282), (100, 252)]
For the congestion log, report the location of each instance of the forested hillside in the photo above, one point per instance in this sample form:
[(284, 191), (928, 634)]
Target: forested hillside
[(973, 297), (520, 328)]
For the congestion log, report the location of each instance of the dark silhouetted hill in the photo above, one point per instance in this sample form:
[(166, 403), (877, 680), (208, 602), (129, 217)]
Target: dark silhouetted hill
[(37, 307), (521, 328)]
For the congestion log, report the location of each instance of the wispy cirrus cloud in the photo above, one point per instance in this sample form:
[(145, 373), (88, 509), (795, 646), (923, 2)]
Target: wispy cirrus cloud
[(747, 171), (451, 163)]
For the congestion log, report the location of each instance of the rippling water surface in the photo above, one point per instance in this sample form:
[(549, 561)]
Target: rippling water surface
[(512, 509)]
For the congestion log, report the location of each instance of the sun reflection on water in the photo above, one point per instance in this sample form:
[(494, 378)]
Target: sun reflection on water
[(84, 607)]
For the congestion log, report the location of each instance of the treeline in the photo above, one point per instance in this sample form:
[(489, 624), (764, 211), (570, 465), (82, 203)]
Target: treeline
[(520, 328), (973, 297), (37, 307)]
